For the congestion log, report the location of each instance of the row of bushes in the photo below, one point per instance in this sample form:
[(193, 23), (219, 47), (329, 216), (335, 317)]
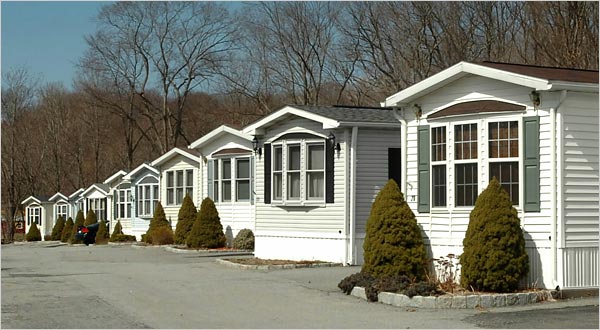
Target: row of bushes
[(493, 260)]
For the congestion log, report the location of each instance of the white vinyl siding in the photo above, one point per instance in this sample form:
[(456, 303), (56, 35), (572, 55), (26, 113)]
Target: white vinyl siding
[(183, 164)]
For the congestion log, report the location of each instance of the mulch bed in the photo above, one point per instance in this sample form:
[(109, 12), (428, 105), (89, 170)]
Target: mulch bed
[(258, 261)]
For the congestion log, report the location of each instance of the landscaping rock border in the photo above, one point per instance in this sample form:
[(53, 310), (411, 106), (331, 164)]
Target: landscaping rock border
[(228, 263), (459, 301)]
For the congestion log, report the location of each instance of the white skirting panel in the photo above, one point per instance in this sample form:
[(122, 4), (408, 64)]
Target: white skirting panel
[(580, 267), (299, 248)]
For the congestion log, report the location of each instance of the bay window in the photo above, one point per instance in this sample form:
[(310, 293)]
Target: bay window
[(61, 210), (34, 214), (98, 205), (147, 199), (123, 203)]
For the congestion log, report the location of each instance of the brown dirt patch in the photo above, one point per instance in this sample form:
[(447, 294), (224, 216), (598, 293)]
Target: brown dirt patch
[(258, 261)]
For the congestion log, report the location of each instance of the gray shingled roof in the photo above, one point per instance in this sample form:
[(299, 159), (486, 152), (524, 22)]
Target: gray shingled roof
[(347, 114)]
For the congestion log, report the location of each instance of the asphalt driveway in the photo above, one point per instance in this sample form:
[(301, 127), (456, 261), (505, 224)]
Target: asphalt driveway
[(124, 287)]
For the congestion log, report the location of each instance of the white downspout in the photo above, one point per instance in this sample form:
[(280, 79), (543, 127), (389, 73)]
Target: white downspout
[(347, 242), (403, 151), (554, 178), (353, 195)]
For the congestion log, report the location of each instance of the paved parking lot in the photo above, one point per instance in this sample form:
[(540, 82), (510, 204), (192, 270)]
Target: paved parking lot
[(124, 287)]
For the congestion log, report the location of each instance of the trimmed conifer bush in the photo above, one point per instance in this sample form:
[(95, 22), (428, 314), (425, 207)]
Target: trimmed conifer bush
[(79, 220), (57, 229), (207, 231), (117, 231), (102, 234), (159, 220), (33, 235), (185, 219), (90, 218), (494, 257), (66, 232), (393, 243), (244, 240)]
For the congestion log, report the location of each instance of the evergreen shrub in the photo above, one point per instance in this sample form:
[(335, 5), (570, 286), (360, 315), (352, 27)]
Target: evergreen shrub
[(90, 218), (244, 240), (79, 220), (207, 231), (185, 219), (159, 220), (33, 235), (117, 231), (66, 232), (393, 243), (102, 234), (494, 257), (57, 229)]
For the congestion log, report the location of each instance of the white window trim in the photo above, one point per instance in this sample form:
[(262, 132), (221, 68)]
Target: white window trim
[(126, 203), (303, 200), (449, 189), (97, 202), (58, 213), (184, 185), (32, 215), (142, 198), (217, 179)]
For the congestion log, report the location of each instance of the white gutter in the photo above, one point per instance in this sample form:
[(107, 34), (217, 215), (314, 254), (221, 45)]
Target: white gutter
[(353, 193), (403, 151), (554, 176)]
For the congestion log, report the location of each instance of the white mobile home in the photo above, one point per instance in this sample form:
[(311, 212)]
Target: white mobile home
[(77, 203), (228, 177), (40, 210), (317, 174), (61, 207), (143, 183), (95, 198), (179, 175), (536, 130)]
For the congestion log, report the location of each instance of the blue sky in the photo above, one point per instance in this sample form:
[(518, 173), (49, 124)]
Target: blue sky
[(46, 37)]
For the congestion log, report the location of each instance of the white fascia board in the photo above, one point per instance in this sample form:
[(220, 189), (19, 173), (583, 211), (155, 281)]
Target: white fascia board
[(142, 166), (457, 71), (31, 199), (217, 132), (58, 196), (77, 193), (371, 125), (257, 127), (92, 187), (173, 152), (573, 86), (114, 176)]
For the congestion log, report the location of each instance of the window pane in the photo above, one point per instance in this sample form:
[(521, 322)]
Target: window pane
[(277, 186), (316, 157), (294, 158), (179, 180), (170, 195), (466, 184), (438, 139), (293, 185), (439, 185), (277, 158), (216, 171), (226, 191), (243, 190), (189, 178), (216, 191), (178, 196), (226, 174), (169, 179), (465, 146), (504, 136), (155, 196), (316, 184), (243, 168), (507, 173)]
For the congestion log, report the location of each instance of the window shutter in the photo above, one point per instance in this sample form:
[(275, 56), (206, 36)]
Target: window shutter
[(252, 194), (395, 164), (115, 201), (329, 175), (531, 163), (267, 169), (423, 169), (209, 179)]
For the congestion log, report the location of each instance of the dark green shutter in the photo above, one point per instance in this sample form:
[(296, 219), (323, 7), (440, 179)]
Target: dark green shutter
[(531, 163), (252, 194), (423, 169), (115, 199), (267, 173), (209, 179), (329, 174), (395, 164)]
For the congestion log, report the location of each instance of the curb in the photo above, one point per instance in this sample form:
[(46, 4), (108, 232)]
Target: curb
[(230, 264), (458, 302), (173, 249), (121, 243)]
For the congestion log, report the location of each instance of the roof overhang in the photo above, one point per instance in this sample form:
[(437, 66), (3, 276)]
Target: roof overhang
[(462, 69), (58, 196), (138, 169), (31, 199), (95, 186), (76, 193), (258, 128), (172, 153), (216, 133), (115, 177)]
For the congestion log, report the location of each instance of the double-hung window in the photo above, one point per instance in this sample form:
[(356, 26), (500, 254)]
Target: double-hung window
[(438, 166), (503, 145), (147, 198), (465, 158), (231, 179), (34, 214), (298, 171), (62, 210), (123, 203), (179, 183), (242, 179), (98, 205), (226, 180)]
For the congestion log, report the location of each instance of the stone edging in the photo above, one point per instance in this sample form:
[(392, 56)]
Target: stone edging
[(458, 302), (228, 263)]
